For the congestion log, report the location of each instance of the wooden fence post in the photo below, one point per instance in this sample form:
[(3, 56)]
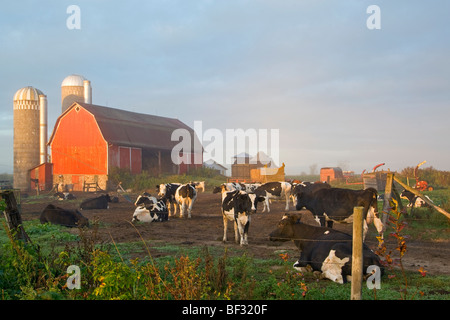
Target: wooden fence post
[(13, 217), (357, 254)]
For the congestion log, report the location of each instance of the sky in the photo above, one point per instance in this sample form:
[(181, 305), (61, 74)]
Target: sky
[(339, 93)]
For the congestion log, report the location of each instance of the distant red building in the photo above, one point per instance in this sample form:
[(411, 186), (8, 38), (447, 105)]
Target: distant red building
[(88, 140)]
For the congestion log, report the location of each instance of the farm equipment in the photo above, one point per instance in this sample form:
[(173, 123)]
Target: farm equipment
[(421, 185)]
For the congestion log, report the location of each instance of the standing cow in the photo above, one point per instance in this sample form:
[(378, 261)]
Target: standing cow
[(324, 249), (167, 191), (274, 190), (185, 196), (237, 206), (336, 205)]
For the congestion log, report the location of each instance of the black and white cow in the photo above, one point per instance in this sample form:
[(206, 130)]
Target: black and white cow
[(185, 196), (63, 217), (229, 186), (324, 249), (168, 191), (149, 210), (64, 196), (414, 201), (100, 202), (237, 206), (336, 205), (274, 190), (145, 198)]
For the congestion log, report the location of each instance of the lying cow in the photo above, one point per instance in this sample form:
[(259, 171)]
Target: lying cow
[(237, 206), (274, 190), (336, 205), (324, 249), (185, 196), (149, 211), (100, 202), (168, 191), (63, 217), (64, 196)]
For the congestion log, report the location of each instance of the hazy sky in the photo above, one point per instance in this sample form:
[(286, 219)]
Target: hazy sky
[(339, 93)]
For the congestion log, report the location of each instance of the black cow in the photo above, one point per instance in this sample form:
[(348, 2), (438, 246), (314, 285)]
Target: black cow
[(335, 204), (167, 191), (324, 249), (100, 202), (63, 217), (237, 206)]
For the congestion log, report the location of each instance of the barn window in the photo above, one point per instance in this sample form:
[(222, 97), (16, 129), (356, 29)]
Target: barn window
[(77, 108)]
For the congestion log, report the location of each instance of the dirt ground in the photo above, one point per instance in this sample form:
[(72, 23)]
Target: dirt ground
[(206, 228)]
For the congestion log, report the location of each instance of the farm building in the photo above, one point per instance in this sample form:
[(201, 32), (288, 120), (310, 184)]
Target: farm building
[(88, 140), (211, 164), (259, 168), (331, 173)]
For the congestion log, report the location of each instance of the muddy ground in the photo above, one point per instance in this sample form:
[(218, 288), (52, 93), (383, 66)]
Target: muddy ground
[(206, 228)]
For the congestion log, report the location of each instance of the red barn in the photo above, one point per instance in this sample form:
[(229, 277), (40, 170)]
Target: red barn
[(88, 140)]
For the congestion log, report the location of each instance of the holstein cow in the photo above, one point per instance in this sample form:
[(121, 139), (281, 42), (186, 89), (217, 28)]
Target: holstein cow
[(336, 205), (145, 198), (100, 202), (149, 211), (185, 196), (229, 186), (274, 190), (167, 191), (64, 196), (414, 201), (237, 206), (324, 249), (63, 217)]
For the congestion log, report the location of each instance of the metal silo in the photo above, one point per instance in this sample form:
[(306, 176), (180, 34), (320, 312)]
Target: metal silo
[(26, 134), (75, 88)]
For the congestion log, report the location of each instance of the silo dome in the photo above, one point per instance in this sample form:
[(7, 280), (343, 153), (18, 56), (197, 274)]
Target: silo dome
[(28, 93), (74, 80)]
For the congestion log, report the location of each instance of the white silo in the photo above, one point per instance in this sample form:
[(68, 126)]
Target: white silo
[(75, 88)]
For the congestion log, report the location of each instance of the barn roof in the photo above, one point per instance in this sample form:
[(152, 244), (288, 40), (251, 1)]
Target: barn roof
[(126, 128)]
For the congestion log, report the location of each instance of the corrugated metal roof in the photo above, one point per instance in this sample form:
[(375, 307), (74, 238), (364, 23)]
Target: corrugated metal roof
[(126, 128)]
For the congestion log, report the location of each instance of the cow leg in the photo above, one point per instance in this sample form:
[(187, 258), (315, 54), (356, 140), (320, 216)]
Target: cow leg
[(287, 202), (190, 207), (182, 208), (225, 225), (236, 232), (266, 205)]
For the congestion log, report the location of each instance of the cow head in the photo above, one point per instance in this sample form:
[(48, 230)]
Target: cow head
[(285, 228), (254, 199), (82, 220), (222, 188), (300, 198), (161, 189)]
